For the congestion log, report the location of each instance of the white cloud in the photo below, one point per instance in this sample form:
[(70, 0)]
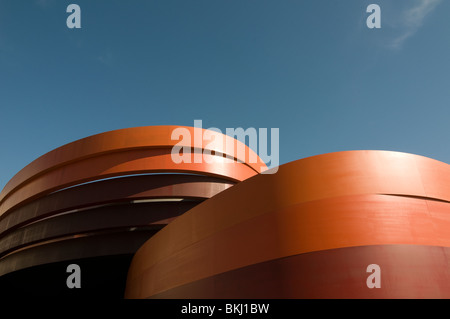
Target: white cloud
[(413, 18)]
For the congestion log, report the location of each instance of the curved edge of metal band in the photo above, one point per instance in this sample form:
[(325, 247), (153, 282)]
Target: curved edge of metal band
[(113, 190), (265, 208), (123, 140)]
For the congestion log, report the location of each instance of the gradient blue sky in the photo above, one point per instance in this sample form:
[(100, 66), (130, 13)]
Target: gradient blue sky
[(311, 68)]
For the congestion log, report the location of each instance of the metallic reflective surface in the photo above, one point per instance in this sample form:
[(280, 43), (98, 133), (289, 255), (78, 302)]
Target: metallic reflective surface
[(316, 206), (219, 229), (106, 194), (407, 271), (117, 190), (97, 219), (120, 153)]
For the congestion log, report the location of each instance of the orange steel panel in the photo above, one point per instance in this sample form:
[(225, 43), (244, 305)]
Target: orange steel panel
[(94, 219), (76, 247), (309, 205), (407, 271), (45, 188), (318, 177), (120, 140), (114, 190), (302, 228), (117, 164)]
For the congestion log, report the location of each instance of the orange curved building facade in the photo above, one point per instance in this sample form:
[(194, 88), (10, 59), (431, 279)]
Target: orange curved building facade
[(310, 231), (95, 201), (223, 230)]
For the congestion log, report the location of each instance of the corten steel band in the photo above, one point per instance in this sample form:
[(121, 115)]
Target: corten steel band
[(321, 177), (114, 190), (303, 228), (77, 247), (96, 196), (95, 219), (156, 137), (324, 202), (335, 273), (117, 164)]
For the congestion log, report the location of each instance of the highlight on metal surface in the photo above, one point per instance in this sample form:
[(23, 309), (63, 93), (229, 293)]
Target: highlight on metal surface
[(104, 196), (140, 225)]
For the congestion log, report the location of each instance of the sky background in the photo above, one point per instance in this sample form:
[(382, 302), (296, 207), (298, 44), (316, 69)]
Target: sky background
[(311, 68)]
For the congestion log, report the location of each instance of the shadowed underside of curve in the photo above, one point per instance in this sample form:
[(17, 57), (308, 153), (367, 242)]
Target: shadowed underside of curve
[(119, 190)]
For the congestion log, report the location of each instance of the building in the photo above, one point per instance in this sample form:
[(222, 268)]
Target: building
[(141, 226)]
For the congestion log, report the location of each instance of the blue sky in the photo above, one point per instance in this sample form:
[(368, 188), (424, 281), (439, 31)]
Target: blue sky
[(310, 68)]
